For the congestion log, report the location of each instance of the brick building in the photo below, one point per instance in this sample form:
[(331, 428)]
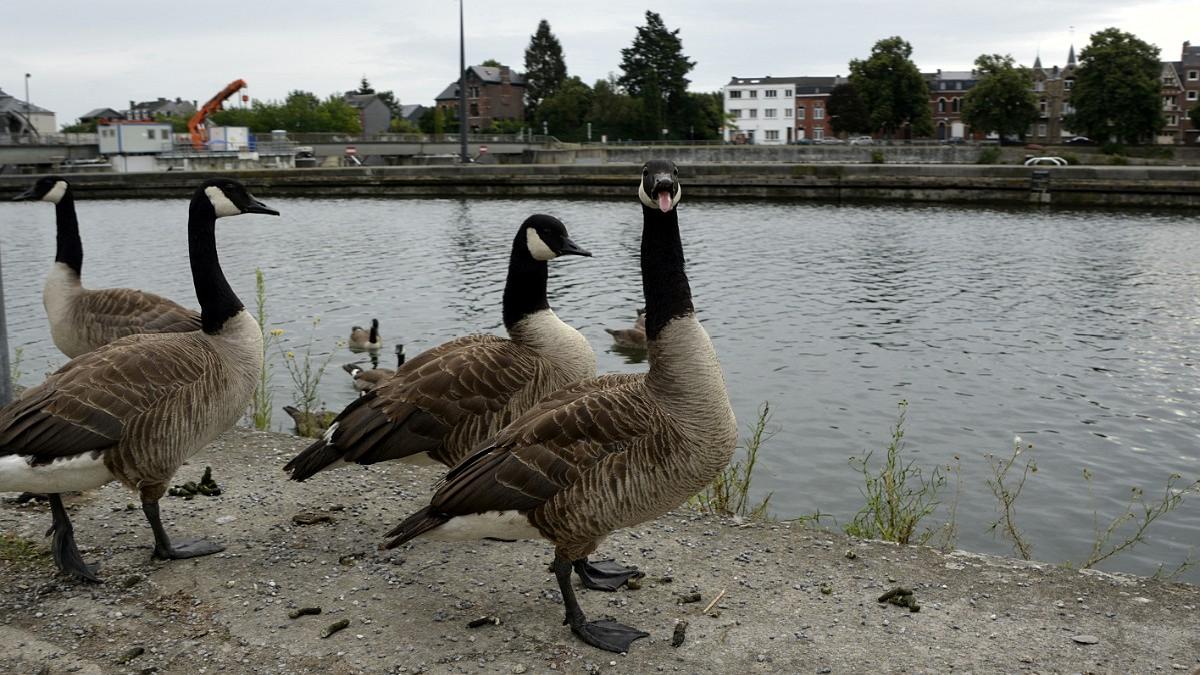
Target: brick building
[(947, 93), (493, 94), (1180, 93), (812, 107)]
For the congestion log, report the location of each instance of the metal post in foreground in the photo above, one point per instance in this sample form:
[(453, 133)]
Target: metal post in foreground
[(462, 84), (5, 373)]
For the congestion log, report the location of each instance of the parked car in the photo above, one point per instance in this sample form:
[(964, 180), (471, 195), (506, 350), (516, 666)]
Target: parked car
[(831, 141), (862, 140), (1080, 140)]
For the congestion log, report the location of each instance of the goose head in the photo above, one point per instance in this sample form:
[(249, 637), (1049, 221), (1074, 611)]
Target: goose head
[(659, 188), (229, 197), (46, 189), (546, 238)]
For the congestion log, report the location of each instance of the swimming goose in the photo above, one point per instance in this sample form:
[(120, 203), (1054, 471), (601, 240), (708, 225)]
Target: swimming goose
[(631, 338), (135, 409), (366, 380), (81, 319), (363, 340), (310, 424), (605, 453), (443, 402)]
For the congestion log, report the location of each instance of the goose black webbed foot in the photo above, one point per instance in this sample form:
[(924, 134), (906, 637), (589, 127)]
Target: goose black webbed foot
[(604, 634), (165, 550), (604, 575), (66, 553)]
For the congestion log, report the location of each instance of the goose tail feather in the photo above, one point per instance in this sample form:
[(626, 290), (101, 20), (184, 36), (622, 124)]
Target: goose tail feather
[(312, 460), (415, 525)]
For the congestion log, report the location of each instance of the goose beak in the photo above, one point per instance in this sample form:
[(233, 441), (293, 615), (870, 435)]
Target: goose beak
[(256, 206), (571, 248), (664, 187), (26, 196)]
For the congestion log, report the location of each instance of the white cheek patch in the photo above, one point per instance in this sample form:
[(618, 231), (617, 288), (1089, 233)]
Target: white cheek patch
[(56, 193), (538, 248), (645, 198), (221, 204)]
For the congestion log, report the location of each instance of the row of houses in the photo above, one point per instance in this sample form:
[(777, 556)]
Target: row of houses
[(780, 110)]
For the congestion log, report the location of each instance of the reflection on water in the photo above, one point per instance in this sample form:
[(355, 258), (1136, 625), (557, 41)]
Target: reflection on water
[(1073, 329)]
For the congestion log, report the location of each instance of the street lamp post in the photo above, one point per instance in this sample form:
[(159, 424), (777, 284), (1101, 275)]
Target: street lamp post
[(27, 120), (5, 377), (462, 85)]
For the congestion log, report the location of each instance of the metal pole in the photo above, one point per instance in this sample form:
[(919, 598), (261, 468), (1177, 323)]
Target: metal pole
[(462, 84), (27, 120), (5, 373)]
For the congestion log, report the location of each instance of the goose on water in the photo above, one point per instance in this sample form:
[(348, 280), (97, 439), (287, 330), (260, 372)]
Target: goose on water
[(440, 404), (135, 409), (83, 319), (364, 339), (631, 338), (368, 379), (608, 452)]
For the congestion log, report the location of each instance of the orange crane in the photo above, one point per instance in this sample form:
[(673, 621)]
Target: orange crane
[(196, 125)]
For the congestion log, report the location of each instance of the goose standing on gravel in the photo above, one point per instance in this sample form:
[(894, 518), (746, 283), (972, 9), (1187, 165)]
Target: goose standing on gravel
[(81, 319), (445, 401), (135, 409), (366, 380), (366, 340), (605, 453)]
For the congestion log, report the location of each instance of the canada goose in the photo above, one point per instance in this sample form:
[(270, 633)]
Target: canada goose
[(310, 424), (605, 453), (443, 402), (136, 408), (81, 319), (631, 338), (366, 380), (366, 340)]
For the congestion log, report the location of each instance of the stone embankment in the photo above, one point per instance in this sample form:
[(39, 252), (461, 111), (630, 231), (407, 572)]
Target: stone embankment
[(770, 597), (1137, 186)]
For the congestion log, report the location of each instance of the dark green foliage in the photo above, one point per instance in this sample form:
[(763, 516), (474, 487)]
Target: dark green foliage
[(387, 97), (545, 68), (492, 63), (848, 112), (654, 71), (893, 90), (565, 113), (1194, 115), (614, 113), (301, 112), (1116, 93), (990, 155), (1001, 101)]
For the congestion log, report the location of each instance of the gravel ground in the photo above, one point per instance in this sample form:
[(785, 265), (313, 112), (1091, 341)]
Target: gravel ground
[(795, 599)]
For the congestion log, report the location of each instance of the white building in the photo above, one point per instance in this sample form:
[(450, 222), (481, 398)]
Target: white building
[(760, 111)]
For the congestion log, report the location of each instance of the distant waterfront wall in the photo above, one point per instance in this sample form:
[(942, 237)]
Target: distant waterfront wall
[(1072, 186)]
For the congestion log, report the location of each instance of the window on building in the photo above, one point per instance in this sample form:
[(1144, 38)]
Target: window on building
[(818, 133), (941, 105), (473, 92), (1069, 83), (1191, 95), (787, 112), (1042, 130), (753, 114), (1039, 86), (955, 104), (800, 113), (772, 134), (1168, 101), (150, 134), (1193, 75), (1172, 120), (1068, 109), (769, 93), (787, 93), (735, 93), (735, 112), (958, 86), (769, 112), (1042, 106), (753, 93), (818, 113)]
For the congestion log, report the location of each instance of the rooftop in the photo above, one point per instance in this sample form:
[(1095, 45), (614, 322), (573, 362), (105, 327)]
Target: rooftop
[(8, 103)]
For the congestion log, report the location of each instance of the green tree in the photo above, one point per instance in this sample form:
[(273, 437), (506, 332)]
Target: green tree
[(387, 97), (892, 88), (566, 111), (492, 63), (302, 111), (706, 116), (88, 127), (654, 71), (1116, 92), (847, 112), (1002, 101), (1194, 114), (545, 68), (614, 113)]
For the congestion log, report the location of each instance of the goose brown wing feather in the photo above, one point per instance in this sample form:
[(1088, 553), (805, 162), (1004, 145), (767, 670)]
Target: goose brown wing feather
[(124, 311), (87, 404), (550, 447)]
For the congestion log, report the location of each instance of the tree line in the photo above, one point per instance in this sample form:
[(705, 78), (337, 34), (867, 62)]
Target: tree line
[(1115, 97)]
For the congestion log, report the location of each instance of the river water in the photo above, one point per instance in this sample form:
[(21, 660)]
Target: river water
[(1074, 330)]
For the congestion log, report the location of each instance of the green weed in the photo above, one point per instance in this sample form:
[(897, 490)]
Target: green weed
[(729, 493)]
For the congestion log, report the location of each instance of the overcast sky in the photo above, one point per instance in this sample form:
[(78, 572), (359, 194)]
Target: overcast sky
[(85, 55)]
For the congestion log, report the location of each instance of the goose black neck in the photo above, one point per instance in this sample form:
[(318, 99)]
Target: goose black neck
[(218, 302), (525, 289), (373, 336), (69, 249), (664, 282)]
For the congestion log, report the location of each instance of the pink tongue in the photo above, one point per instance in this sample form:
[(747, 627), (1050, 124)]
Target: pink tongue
[(664, 201)]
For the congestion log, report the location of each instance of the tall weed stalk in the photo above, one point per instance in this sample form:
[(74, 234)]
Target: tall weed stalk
[(729, 493)]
